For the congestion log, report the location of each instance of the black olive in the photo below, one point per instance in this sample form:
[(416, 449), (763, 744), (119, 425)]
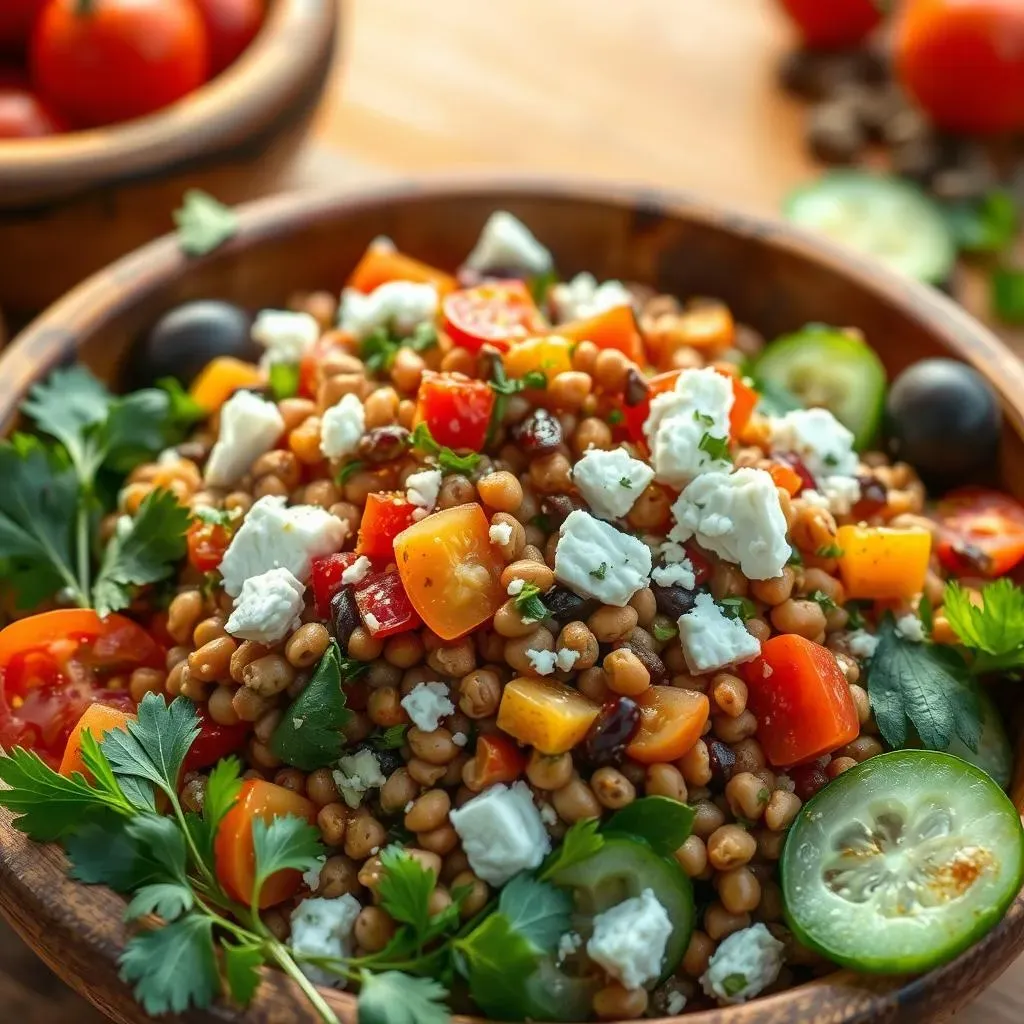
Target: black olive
[(344, 616), (558, 508), (943, 418), (673, 601), (722, 761), (540, 432), (188, 337), (566, 606)]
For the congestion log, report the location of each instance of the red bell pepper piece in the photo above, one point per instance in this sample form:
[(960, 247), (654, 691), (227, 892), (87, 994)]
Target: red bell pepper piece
[(325, 578), (384, 518), (456, 410), (498, 759), (384, 606)]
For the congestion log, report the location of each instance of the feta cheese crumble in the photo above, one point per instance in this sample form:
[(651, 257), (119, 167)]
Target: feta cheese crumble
[(611, 481), (500, 533), (515, 587), (249, 428), (566, 657), (744, 964), (341, 427), (502, 832), (542, 662), (582, 297), (738, 517), (285, 336), (506, 243), (323, 927), (273, 536), (594, 559), (629, 939), (426, 704), (675, 1002), (911, 628), (396, 306), (568, 944), (356, 775), (268, 607), (422, 488), (356, 572), (862, 644), (711, 640), (677, 571), (824, 445)]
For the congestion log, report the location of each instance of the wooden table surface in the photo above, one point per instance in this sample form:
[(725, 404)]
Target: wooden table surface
[(671, 93)]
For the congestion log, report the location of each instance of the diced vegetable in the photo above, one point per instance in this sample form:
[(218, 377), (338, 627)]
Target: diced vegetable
[(233, 847), (801, 699), (498, 759), (614, 328), (786, 477), (744, 401), (551, 717), (549, 355), (451, 571), (221, 379), (497, 313), (881, 563), (207, 543), (325, 577), (214, 742), (382, 264), (384, 606), (981, 532), (98, 720), (671, 722), (385, 516), (310, 366), (456, 410)]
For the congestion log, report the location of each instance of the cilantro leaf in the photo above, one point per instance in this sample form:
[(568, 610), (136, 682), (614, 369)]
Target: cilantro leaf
[(663, 823), (222, 788), (580, 843), (309, 733), (203, 223), (287, 842), (997, 627), (242, 970), (536, 910), (716, 447), (497, 961), (168, 900), (925, 686), (404, 888), (447, 460), (136, 429), (390, 739), (148, 551), (174, 967), (529, 604), (741, 608), (664, 631), (102, 853), (284, 380), (395, 998), (137, 792)]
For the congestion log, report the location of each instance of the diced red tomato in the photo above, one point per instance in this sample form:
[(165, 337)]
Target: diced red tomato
[(702, 564), (214, 742), (981, 532), (325, 578), (801, 700), (207, 543), (384, 518), (53, 666), (614, 328), (494, 313), (498, 759), (456, 410), (384, 606)]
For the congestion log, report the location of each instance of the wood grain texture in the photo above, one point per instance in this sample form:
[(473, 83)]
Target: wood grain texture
[(774, 278)]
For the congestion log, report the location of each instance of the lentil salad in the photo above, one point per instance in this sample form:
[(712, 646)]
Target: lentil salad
[(523, 654)]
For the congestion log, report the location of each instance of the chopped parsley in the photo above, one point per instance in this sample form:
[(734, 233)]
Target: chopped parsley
[(284, 380), (823, 601), (626, 482), (832, 550), (529, 604), (380, 347), (741, 608), (733, 984), (716, 447), (447, 460), (795, 558), (703, 418), (600, 572), (346, 471), (855, 611), (830, 459), (663, 631), (534, 380), (615, 417)]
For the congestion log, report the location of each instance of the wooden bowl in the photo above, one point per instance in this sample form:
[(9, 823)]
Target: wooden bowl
[(71, 204), (773, 277)]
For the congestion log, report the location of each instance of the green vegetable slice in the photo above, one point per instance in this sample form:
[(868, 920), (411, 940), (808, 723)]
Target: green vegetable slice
[(824, 366), (902, 862), (885, 217)]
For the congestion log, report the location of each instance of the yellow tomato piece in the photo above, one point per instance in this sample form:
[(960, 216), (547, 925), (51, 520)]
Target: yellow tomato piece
[(221, 378), (549, 716), (549, 355), (450, 570), (881, 563)]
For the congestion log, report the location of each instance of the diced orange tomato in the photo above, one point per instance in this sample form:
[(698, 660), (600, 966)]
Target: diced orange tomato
[(981, 532), (381, 264), (549, 354), (801, 700), (220, 379), (551, 717), (497, 313), (456, 409), (671, 721), (498, 759), (450, 570), (614, 328), (881, 563), (234, 856), (98, 720), (385, 516), (786, 477)]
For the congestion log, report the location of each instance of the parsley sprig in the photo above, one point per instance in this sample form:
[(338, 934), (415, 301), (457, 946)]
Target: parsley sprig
[(379, 348), (447, 460)]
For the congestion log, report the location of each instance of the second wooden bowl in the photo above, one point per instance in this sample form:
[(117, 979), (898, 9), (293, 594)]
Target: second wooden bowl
[(772, 276)]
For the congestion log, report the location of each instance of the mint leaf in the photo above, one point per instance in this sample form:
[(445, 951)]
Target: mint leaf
[(242, 970), (287, 842), (663, 823), (536, 910), (203, 223), (395, 998), (581, 842)]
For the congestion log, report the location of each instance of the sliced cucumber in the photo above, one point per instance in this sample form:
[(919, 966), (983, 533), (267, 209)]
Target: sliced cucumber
[(995, 753), (824, 366), (885, 217), (902, 862), (622, 869)]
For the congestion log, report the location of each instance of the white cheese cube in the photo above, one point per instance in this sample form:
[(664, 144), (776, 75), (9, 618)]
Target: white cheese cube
[(341, 427), (611, 482), (286, 336), (249, 428), (629, 939), (506, 243), (502, 832), (273, 536), (323, 927), (711, 640), (268, 608), (594, 559), (398, 307), (738, 517), (744, 965), (500, 533), (824, 445), (582, 298), (422, 488), (356, 775), (426, 704), (677, 571)]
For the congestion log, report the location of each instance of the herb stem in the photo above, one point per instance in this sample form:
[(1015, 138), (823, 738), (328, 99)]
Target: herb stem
[(83, 546), (283, 958), (197, 857)]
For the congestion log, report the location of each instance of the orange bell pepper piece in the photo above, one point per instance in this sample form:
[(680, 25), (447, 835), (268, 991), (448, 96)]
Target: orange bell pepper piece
[(381, 264), (786, 477), (881, 563), (221, 378), (614, 328), (551, 717)]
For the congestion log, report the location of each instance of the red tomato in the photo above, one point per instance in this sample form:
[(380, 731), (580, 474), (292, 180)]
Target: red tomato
[(702, 564), (834, 24), (456, 410), (801, 700), (493, 313), (54, 665), (980, 532), (119, 60), (207, 543), (384, 518), (214, 742), (234, 856), (384, 606), (231, 25), (25, 116), (325, 578), (498, 759), (16, 18)]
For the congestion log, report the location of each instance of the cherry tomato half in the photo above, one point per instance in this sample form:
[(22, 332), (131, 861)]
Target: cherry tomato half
[(456, 410), (231, 25), (833, 24), (24, 115), (980, 532), (207, 543), (494, 313)]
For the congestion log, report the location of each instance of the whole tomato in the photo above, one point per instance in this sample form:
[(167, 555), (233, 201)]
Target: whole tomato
[(833, 24), (963, 61), (231, 25), (16, 17), (103, 61), (25, 116)]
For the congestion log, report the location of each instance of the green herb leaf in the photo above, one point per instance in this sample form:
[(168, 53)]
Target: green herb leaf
[(536, 910), (580, 843), (823, 601), (615, 417), (395, 998), (661, 822), (136, 429), (986, 224), (997, 627), (242, 965), (168, 900), (284, 380), (733, 984), (529, 604), (183, 410), (346, 471), (795, 558), (626, 482), (856, 615), (663, 631), (447, 460), (541, 284), (600, 572), (287, 842), (497, 962), (716, 447), (203, 223), (105, 854), (703, 418), (223, 785), (215, 516), (390, 739), (404, 888), (832, 550), (741, 608), (532, 380), (1008, 294), (309, 733), (378, 350)]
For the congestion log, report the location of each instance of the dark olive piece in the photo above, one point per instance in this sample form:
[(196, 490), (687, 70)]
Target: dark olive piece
[(382, 444), (344, 616), (566, 606), (673, 601), (615, 725)]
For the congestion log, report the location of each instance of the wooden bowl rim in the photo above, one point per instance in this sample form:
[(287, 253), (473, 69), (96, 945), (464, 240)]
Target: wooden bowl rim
[(265, 82), (843, 996)]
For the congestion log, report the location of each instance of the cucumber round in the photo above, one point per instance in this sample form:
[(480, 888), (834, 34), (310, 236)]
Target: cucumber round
[(622, 869), (995, 753), (902, 862), (885, 217), (824, 366)]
